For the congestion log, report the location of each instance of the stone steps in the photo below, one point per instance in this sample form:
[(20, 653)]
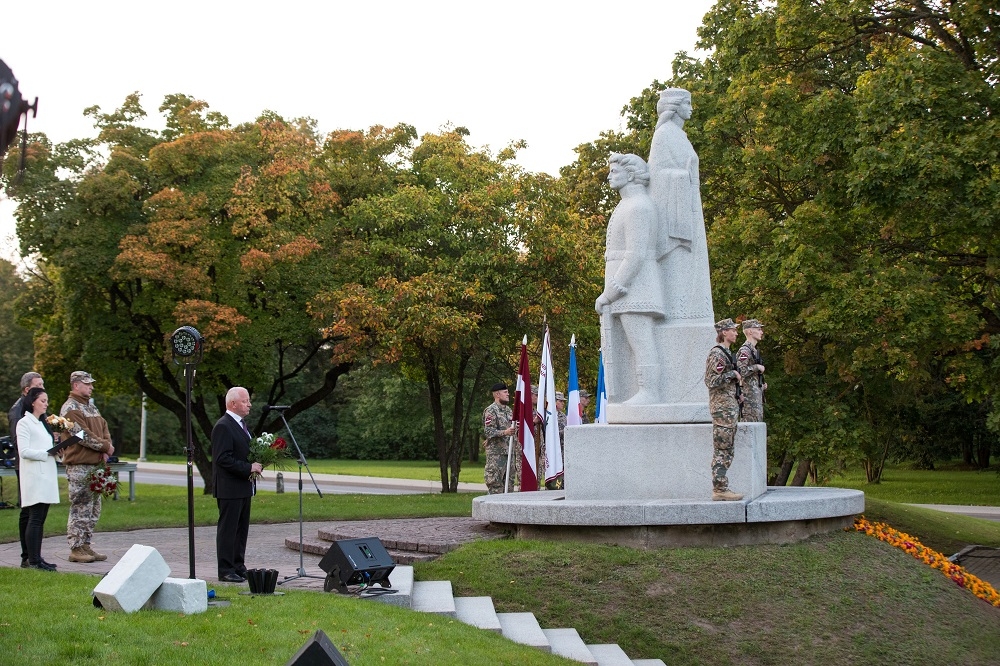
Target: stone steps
[(437, 596)]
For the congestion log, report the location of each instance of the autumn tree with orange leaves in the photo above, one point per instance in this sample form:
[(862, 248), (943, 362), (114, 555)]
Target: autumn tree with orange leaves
[(230, 229)]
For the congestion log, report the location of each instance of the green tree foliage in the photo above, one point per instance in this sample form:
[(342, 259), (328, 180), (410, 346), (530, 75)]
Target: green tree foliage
[(16, 350), (849, 156), (456, 263), (230, 229)]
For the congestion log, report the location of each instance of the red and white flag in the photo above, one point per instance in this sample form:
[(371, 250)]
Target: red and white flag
[(547, 410), (524, 418)]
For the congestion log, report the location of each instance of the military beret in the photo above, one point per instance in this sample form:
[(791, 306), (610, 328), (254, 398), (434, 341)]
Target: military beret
[(499, 386)]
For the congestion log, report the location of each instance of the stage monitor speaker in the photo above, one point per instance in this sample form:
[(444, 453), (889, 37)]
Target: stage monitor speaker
[(318, 651), (356, 562)]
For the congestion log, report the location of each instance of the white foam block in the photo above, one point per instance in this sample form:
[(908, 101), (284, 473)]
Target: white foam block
[(182, 595), (132, 582)]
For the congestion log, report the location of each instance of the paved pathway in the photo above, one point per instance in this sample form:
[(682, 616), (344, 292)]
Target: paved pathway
[(265, 548)]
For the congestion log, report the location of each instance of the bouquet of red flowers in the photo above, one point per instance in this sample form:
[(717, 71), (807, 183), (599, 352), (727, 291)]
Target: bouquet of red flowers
[(102, 481), (269, 451)]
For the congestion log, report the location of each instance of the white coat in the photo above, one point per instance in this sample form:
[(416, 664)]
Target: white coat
[(39, 480)]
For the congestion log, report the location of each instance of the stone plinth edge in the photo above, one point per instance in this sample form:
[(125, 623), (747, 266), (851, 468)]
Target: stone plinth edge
[(780, 515)]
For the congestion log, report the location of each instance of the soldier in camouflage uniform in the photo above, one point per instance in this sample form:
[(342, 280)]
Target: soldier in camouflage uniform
[(80, 459), (751, 367), (498, 426), (723, 383), (584, 404)]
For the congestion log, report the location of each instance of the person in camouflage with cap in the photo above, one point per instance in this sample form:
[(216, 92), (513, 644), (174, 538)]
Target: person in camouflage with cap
[(723, 381), (80, 459), (751, 367), (498, 426)]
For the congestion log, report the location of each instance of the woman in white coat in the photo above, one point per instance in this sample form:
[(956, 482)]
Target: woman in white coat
[(39, 483)]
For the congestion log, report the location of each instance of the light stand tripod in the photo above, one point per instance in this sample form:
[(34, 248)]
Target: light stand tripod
[(301, 461)]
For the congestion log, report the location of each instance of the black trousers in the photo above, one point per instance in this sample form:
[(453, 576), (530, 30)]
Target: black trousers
[(231, 534), (22, 520), (35, 531)]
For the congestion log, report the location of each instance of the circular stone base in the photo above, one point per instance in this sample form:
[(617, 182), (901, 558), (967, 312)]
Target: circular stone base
[(780, 515)]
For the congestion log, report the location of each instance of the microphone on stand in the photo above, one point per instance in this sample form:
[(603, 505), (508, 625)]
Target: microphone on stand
[(277, 408)]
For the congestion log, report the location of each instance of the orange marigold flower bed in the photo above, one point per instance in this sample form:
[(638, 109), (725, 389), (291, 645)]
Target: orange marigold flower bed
[(911, 545)]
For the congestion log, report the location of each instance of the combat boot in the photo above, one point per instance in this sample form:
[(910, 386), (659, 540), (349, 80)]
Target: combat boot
[(98, 557), (80, 555), (726, 496)]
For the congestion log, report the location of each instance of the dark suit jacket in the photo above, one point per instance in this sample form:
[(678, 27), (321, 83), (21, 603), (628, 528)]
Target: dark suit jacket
[(230, 469)]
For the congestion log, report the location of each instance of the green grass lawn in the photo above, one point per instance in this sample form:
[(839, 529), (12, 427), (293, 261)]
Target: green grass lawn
[(942, 486), (420, 470), (166, 506), (839, 598), (49, 619)]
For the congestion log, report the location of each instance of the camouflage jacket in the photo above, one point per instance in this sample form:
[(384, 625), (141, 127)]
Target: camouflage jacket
[(746, 358), (721, 378), (496, 419)]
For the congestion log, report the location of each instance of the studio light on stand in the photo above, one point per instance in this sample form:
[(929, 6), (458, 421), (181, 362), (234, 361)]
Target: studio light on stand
[(187, 347)]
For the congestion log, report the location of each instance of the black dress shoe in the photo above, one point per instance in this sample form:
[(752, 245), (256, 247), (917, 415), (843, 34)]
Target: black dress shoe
[(24, 564), (242, 572), (232, 578), (41, 566), (48, 564)]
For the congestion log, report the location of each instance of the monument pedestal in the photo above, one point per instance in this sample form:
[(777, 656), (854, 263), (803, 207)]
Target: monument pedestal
[(650, 486), (659, 462)]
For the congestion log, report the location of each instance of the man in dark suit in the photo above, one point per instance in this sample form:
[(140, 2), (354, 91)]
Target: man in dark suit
[(233, 481)]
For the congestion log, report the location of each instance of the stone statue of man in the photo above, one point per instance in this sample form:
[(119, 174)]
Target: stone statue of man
[(632, 301)]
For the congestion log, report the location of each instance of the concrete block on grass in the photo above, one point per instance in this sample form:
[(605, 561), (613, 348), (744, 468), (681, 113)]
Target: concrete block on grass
[(181, 595), (132, 582)]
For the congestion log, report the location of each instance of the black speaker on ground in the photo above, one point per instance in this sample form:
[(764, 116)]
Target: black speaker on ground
[(356, 562), (318, 651)]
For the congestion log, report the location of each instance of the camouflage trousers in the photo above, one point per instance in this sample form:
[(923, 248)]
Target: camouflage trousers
[(723, 440), (84, 506), (495, 472), (753, 402)]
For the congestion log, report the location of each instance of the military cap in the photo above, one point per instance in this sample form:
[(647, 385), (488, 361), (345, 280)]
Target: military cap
[(81, 376), (752, 323), (560, 396), (725, 325), (584, 394), (499, 386)]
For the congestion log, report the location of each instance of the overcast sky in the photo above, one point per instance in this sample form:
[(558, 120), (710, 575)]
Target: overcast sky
[(555, 74)]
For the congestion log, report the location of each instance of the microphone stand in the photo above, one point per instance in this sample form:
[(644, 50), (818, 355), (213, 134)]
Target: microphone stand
[(301, 461)]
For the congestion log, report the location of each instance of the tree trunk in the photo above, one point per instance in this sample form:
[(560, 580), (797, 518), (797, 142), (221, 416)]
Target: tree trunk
[(801, 472), (781, 476), (967, 452), (982, 451)]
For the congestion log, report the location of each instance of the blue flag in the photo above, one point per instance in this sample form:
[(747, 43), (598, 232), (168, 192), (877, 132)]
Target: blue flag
[(573, 414), (602, 395)]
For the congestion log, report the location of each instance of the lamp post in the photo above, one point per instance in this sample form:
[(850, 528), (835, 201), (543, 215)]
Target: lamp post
[(187, 346)]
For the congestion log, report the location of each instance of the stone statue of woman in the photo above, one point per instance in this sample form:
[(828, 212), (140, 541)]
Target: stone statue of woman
[(632, 301), (687, 328)]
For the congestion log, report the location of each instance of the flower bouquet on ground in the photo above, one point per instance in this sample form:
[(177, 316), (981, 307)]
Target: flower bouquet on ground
[(102, 481), (269, 451)]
